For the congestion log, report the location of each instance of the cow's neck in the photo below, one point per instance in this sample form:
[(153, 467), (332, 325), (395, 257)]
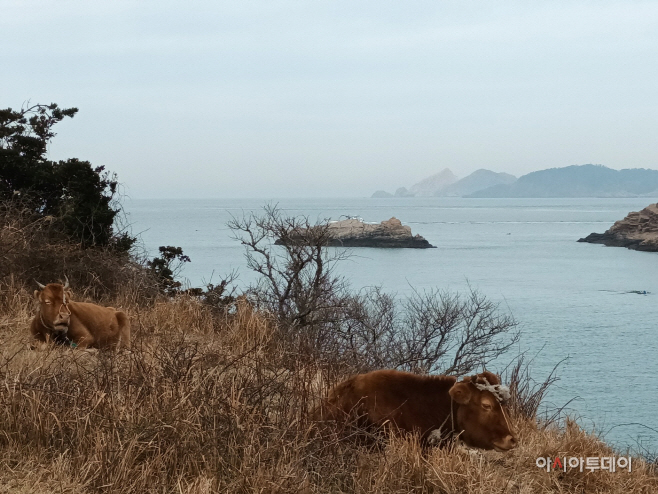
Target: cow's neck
[(43, 323)]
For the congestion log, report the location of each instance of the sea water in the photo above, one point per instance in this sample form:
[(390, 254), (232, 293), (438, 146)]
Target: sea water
[(574, 301)]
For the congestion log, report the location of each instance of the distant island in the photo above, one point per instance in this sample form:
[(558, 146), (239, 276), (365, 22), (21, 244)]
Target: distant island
[(433, 185), (638, 231), (579, 181), (446, 184), (478, 180), (570, 181)]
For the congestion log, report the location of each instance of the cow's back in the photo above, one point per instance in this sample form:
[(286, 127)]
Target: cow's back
[(408, 401), (106, 325)]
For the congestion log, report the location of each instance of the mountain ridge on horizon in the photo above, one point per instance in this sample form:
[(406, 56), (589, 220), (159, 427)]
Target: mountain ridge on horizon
[(446, 183), (588, 180)]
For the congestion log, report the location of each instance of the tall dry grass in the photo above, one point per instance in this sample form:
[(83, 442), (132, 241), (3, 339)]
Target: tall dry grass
[(32, 247), (215, 402)]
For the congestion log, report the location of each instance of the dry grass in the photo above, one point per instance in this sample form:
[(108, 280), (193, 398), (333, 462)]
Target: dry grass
[(33, 247), (214, 403)]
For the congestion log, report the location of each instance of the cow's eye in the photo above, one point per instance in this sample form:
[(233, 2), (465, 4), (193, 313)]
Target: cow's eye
[(48, 302), (486, 406)]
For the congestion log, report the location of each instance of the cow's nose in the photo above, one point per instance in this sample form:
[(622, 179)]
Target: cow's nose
[(506, 443), (511, 441)]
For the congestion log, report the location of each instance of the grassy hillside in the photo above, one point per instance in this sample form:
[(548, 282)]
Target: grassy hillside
[(213, 404), (216, 398)]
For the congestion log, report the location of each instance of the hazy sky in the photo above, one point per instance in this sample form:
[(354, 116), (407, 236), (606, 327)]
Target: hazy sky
[(335, 98)]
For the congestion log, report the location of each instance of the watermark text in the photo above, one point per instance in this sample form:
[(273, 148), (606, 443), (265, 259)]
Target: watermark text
[(591, 463)]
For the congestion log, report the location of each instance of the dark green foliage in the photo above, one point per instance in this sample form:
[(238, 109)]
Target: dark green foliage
[(167, 266), (221, 297), (78, 196)]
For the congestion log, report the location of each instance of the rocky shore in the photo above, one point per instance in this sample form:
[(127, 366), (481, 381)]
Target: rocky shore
[(387, 234), (638, 231)]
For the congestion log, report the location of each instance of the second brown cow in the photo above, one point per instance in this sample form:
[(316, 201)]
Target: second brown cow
[(81, 324), (433, 406)]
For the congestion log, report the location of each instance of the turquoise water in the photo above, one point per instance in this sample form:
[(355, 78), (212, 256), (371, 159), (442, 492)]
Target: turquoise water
[(573, 300)]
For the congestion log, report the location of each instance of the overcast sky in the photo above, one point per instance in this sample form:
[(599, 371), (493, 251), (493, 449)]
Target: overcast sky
[(336, 98)]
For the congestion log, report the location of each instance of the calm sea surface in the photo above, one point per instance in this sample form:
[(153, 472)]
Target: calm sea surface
[(573, 300)]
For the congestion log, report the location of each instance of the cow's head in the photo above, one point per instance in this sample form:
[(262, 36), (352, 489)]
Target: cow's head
[(482, 415), (53, 302)]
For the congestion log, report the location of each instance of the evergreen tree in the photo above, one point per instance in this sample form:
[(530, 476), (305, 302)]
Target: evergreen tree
[(77, 195)]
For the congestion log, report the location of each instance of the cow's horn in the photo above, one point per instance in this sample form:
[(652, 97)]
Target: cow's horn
[(40, 285), (66, 285)]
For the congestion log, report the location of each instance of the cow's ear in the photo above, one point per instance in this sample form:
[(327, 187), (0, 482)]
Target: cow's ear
[(490, 377), (69, 293), (461, 393), (36, 294)]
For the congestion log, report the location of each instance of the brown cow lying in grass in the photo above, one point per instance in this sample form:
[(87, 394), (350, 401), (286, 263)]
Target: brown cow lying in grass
[(436, 407), (81, 324)]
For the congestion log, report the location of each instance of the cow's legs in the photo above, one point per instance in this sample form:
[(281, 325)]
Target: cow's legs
[(124, 330), (83, 339)]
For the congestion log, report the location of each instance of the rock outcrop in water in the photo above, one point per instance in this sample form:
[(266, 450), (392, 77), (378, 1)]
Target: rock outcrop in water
[(356, 233), (381, 194), (638, 231)]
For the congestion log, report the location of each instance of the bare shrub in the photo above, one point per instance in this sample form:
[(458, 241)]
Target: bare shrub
[(434, 331), (297, 280), (427, 332), (527, 394)]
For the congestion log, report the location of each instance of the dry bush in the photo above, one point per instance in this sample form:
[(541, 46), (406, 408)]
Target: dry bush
[(527, 394), (31, 247), (432, 331)]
